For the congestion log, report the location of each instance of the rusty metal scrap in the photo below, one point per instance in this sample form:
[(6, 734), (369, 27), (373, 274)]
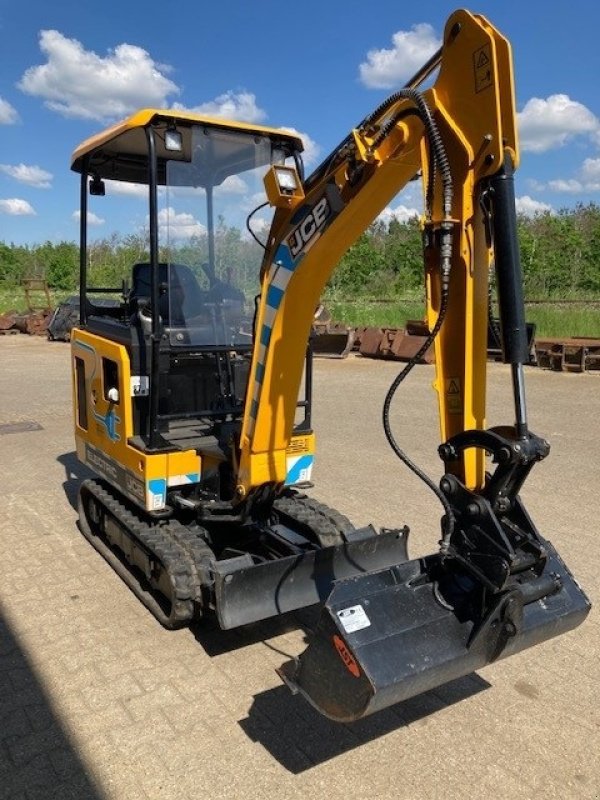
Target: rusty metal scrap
[(394, 343), (330, 339), (7, 321), (576, 354), (34, 323)]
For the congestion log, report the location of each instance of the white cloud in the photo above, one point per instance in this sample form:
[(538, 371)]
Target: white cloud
[(126, 189), (231, 105), (311, 148), (233, 184), (590, 170), (565, 185), (178, 226), (550, 123), (93, 219), (384, 69), (8, 115), (79, 83), (16, 207), (30, 175), (530, 208), (587, 180), (401, 213)]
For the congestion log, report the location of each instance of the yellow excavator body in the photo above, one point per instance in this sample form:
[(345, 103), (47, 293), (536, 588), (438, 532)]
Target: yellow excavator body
[(192, 394)]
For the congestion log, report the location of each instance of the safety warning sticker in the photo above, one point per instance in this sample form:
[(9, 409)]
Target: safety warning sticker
[(353, 619), (453, 395), (482, 63)]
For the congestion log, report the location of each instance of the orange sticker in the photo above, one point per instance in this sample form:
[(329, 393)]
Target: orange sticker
[(346, 656)]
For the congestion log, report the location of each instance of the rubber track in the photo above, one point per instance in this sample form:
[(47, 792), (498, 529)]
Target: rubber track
[(181, 552), (327, 524)]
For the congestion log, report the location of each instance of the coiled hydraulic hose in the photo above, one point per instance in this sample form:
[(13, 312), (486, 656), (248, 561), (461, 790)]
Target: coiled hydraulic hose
[(440, 162)]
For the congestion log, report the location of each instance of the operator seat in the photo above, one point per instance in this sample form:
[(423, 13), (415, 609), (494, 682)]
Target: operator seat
[(177, 283)]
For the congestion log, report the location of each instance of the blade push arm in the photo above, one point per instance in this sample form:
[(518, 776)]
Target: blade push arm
[(457, 133)]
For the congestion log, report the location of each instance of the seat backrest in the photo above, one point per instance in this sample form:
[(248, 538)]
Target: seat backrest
[(179, 276)]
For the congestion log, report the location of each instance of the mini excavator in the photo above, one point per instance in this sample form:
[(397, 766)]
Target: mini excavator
[(192, 394)]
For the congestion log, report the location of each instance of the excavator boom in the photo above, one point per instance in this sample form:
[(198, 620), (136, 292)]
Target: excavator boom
[(470, 112)]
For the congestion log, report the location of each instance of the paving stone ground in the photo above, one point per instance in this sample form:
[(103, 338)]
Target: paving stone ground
[(98, 701)]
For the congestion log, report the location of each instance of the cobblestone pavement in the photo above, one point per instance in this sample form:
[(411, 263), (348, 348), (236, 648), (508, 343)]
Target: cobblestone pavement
[(98, 701)]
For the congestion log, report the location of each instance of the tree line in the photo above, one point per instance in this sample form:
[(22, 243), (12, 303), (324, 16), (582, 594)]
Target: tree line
[(560, 255)]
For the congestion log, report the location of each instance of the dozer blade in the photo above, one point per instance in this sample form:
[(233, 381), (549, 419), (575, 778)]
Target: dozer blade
[(247, 592), (388, 636)]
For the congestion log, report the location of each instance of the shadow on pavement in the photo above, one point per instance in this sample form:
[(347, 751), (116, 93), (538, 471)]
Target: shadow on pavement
[(300, 738), (38, 761), (216, 641), (75, 474)]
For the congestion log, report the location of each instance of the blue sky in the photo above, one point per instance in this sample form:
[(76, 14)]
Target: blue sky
[(69, 69)]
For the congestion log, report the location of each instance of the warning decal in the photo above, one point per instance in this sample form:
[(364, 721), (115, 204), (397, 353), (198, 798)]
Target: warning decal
[(354, 618), (482, 63), (453, 395)]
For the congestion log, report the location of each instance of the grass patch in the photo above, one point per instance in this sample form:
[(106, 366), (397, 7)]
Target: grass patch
[(12, 298), (388, 314), (552, 319), (556, 320)]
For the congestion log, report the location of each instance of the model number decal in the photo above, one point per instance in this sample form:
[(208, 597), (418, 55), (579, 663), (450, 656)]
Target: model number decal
[(346, 656), (309, 227)]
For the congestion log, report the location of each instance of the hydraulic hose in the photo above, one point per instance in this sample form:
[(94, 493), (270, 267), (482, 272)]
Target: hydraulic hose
[(440, 162)]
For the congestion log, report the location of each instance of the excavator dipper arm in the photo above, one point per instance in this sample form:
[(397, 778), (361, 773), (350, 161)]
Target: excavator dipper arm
[(495, 587)]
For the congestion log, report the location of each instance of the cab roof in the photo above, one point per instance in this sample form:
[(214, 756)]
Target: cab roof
[(120, 152)]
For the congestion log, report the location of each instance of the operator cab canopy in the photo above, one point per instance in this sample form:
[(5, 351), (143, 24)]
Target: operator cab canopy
[(121, 152), (194, 158)]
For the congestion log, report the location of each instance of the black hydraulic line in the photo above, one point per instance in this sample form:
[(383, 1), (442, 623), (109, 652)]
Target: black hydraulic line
[(509, 279), (249, 229), (440, 161), (449, 518), (299, 162), (83, 242), (154, 433), (308, 386), (423, 73)]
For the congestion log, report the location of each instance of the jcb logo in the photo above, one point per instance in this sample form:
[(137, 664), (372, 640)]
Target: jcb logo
[(309, 227), (346, 656)]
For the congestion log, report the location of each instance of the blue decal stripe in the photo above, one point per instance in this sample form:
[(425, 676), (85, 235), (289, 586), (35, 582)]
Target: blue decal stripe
[(283, 257), (85, 346), (293, 475), (254, 409), (265, 335), (281, 270), (274, 296), (193, 477), (110, 422)]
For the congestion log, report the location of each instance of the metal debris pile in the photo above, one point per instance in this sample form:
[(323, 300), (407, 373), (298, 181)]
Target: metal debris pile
[(35, 323)]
